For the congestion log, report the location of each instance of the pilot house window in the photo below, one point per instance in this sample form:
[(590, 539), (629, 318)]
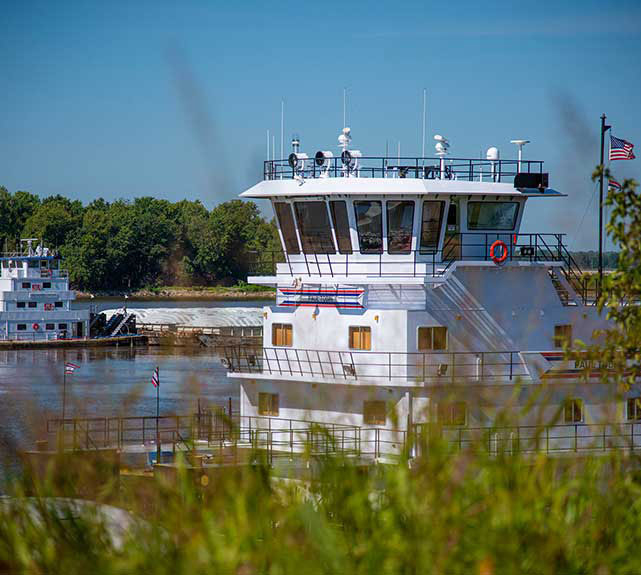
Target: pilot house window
[(369, 224), (341, 226), (431, 225), (286, 223), (400, 222), (492, 215), (314, 228), (360, 337), (282, 334)]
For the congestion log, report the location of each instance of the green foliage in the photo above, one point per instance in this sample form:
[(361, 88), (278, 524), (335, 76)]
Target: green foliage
[(616, 353), (145, 242), (456, 513)]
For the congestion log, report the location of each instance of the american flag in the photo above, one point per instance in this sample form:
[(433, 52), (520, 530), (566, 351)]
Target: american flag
[(621, 149), (155, 380), (612, 183), (70, 368)]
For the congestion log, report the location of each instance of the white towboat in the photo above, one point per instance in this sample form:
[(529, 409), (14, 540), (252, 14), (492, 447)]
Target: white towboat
[(406, 294), (35, 299)]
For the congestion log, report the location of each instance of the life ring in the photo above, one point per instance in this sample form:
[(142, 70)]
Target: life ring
[(35, 326), (498, 260)]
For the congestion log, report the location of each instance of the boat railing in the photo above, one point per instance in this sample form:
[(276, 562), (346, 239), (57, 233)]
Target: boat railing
[(354, 366), (554, 438), (468, 246), (277, 437), (466, 169)]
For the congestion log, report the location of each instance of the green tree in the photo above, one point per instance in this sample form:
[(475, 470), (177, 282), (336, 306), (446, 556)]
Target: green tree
[(55, 220)]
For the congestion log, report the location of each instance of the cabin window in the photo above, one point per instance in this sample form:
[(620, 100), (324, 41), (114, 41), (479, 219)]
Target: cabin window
[(374, 413), (50, 326), (360, 337), (573, 411), (452, 413), (287, 228), (634, 409), (400, 222), (562, 336), (268, 404), (22, 326), (58, 304), (26, 285), (282, 334), (369, 224), (44, 264), (431, 225), (432, 338), (314, 228), (341, 226), (33, 264), (21, 304), (33, 304), (46, 285), (492, 215), (62, 326)]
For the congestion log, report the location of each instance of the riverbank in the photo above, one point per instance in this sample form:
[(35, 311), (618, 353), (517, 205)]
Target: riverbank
[(197, 293)]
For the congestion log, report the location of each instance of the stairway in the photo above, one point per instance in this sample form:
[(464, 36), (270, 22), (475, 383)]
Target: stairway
[(125, 317), (563, 290)]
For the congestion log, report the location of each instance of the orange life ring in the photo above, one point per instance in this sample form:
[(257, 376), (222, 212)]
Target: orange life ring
[(498, 260), (35, 326)]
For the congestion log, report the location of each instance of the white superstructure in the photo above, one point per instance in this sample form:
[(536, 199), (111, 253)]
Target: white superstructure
[(406, 294), (35, 299)]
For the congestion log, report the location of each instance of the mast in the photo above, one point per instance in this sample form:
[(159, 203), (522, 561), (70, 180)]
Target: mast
[(604, 129)]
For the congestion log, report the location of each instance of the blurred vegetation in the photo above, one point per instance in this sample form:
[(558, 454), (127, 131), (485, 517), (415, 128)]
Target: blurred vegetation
[(448, 513), (145, 242), (616, 351)]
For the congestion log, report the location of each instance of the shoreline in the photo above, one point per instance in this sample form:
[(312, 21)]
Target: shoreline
[(177, 294)]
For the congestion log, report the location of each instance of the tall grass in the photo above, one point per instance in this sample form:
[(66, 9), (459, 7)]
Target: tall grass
[(448, 512)]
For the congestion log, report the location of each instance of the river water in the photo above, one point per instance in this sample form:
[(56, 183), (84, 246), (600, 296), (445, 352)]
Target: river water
[(109, 381)]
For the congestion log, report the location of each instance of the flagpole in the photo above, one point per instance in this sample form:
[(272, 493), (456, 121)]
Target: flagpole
[(64, 392), (158, 449), (604, 129)]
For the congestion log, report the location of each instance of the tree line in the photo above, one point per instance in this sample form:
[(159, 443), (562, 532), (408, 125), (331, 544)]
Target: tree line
[(150, 242), (144, 242)]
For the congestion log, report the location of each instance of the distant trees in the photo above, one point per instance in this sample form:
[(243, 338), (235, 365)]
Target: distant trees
[(590, 260), (147, 241)]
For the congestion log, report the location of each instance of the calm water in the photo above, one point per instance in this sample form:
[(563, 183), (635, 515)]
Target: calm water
[(110, 381)]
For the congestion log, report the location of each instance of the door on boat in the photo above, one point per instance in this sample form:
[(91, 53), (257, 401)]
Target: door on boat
[(452, 243), (80, 329)]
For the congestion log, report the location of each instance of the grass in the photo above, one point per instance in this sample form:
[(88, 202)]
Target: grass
[(448, 513)]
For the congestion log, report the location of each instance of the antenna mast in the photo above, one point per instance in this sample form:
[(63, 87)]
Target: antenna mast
[(423, 136), (344, 107), (282, 127)]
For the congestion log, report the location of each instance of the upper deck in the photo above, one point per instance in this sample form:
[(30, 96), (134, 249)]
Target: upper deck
[(29, 262), (422, 168)]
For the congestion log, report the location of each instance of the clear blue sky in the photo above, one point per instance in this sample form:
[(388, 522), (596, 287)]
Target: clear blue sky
[(122, 99)]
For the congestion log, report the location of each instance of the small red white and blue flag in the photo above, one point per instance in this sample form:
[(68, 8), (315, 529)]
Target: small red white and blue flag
[(155, 380), (612, 183), (70, 368), (621, 149)]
